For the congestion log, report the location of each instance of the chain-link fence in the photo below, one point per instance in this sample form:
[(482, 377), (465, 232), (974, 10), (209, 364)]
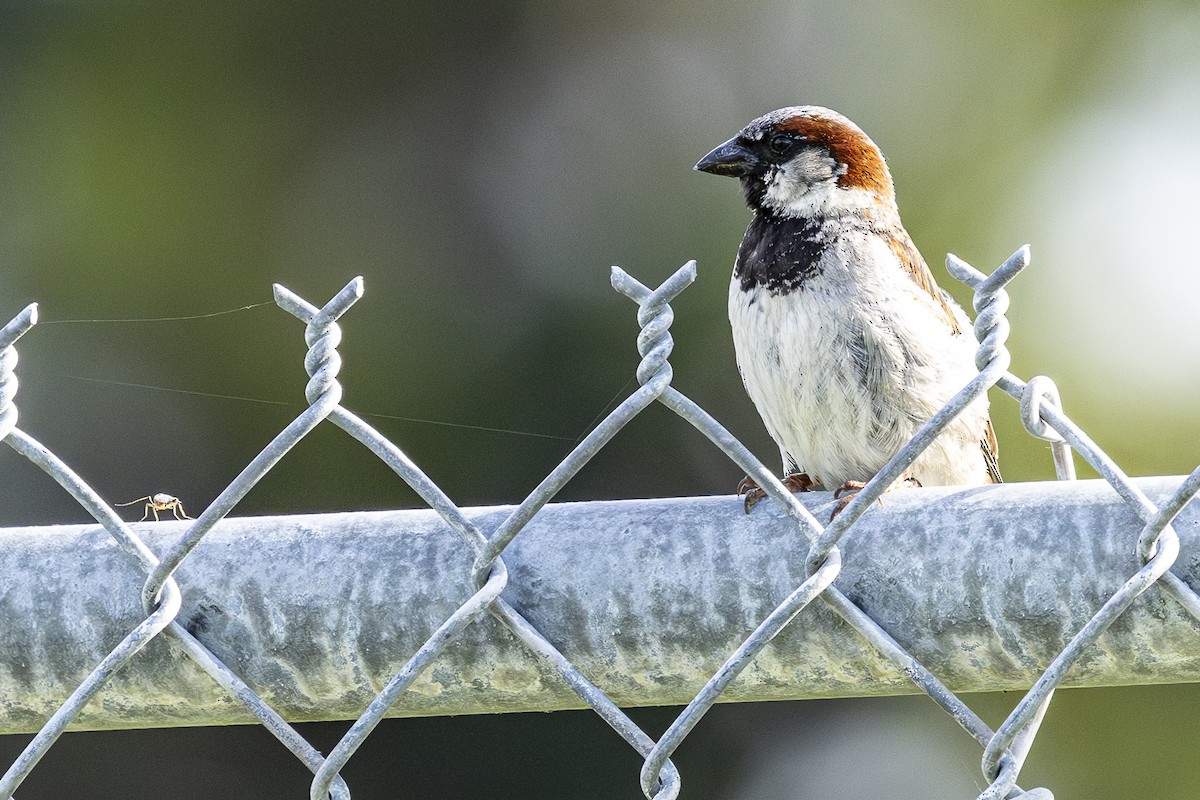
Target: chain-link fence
[(542, 616)]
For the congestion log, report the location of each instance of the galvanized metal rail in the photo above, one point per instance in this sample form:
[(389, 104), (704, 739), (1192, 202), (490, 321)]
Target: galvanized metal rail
[(646, 597)]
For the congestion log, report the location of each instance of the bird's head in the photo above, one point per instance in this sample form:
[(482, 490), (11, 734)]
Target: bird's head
[(804, 161)]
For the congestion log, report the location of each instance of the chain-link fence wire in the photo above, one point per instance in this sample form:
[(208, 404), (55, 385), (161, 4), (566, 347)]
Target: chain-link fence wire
[(1004, 750)]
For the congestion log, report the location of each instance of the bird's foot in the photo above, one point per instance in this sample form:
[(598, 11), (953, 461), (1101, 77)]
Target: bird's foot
[(850, 489), (796, 482)]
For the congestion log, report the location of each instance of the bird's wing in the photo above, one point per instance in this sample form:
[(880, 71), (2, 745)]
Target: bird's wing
[(910, 259), (991, 453), (912, 262)]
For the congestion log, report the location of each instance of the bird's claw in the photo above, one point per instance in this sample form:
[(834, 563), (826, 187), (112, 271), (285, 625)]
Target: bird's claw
[(844, 494), (796, 482), (850, 489)]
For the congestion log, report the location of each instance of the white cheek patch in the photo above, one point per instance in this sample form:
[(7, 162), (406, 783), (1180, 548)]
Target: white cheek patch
[(807, 185), (813, 165), (791, 198)]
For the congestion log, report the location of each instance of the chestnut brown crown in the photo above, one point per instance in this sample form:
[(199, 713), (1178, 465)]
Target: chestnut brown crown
[(781, 136)]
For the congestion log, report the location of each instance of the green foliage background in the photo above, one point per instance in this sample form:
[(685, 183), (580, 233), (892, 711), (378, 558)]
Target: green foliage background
[(482, 164)]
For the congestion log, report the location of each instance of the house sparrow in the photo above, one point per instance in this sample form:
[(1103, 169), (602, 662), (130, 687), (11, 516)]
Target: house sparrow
[(845, 342)]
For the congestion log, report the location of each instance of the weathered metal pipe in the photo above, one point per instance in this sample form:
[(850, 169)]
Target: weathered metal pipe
[(647, 597)]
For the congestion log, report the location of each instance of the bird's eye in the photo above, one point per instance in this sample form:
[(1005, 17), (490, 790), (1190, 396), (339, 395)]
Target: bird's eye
[(780, 143)]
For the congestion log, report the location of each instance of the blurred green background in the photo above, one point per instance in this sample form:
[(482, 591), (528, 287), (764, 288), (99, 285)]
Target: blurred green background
[(482, 165)]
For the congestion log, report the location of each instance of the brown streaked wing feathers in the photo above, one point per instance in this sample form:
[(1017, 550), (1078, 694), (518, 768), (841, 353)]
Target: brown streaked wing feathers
[(914, 265), (991, 453)]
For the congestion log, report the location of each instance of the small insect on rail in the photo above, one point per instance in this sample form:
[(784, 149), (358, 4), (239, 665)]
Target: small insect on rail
[(159, 502)]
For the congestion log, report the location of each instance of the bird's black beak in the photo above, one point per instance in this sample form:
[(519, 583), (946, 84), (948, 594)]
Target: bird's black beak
[(730, 159)]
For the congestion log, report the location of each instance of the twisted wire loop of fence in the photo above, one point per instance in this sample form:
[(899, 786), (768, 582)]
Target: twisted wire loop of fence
[(1157, 545), (1004, 750)]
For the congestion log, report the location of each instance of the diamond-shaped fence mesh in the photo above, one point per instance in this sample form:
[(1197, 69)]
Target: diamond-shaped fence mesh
[(486, 540)]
